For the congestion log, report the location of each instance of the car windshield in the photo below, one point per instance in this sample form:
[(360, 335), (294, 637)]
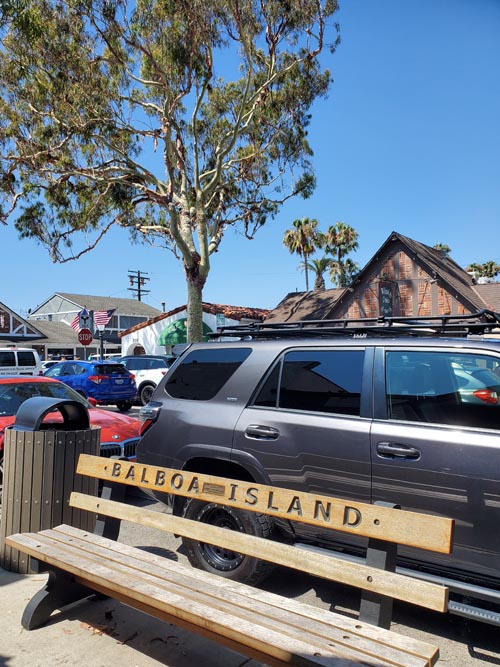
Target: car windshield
[(12, 395)]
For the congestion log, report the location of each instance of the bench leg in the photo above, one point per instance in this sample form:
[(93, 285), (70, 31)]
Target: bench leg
[(375, 608), (59, 591)]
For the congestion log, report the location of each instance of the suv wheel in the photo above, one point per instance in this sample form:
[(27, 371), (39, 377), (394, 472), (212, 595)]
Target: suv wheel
[(219, 560), (146, 392), (124, 406)]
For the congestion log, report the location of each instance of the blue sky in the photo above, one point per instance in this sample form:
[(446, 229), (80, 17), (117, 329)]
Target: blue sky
[(408, 141)]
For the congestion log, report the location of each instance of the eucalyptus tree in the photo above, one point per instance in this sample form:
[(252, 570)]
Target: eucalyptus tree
[(302, 239), (175, 120)]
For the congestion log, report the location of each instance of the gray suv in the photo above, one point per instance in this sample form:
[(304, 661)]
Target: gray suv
[(395, 410)]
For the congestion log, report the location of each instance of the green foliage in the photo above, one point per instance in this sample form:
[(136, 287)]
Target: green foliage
[(489, 269), (302, 240), (337, 242), (173, 119)]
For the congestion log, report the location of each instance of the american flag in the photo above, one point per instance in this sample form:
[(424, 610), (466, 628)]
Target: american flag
[(75, 322), (102, 317)]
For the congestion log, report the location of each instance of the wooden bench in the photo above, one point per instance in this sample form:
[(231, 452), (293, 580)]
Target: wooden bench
[(261, 625)]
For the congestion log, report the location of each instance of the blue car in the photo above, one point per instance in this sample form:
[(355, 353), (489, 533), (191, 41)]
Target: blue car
[(107, 382)]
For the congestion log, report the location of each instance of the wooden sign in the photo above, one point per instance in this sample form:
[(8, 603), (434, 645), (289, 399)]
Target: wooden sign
[(409, 528)]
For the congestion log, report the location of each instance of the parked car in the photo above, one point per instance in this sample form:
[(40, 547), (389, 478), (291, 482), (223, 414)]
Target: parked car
[(119, 433), (359, 410), (107, 382), (148, 370), (20, 361), (48, 364)]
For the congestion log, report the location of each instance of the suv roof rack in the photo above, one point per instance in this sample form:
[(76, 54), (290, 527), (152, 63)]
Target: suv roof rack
[(482, 322)]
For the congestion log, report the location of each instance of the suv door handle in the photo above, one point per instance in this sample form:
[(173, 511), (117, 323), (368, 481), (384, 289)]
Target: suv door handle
[(396, 450), (261, 432)]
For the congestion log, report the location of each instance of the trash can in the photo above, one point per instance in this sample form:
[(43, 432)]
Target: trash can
[(39, 472)]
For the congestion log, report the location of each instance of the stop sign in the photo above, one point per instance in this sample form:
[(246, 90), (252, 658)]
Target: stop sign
[(85, 336)]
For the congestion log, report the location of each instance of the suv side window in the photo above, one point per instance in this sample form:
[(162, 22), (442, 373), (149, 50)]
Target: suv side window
[(203, 373), (7, 359), (26, 358), (455, 388), (315, 381)]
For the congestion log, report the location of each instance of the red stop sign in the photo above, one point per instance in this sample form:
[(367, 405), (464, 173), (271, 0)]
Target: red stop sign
[(85, 336)]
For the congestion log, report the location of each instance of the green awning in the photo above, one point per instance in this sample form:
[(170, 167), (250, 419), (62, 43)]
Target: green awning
[(175, 333)]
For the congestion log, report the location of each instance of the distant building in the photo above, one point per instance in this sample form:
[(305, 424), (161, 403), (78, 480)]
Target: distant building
[(403, 278), (54, 316)]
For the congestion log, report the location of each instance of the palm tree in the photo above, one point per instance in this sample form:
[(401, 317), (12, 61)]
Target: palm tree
[(339, 241), (344, 273), (302, 240), (443, 248), (319, 267)]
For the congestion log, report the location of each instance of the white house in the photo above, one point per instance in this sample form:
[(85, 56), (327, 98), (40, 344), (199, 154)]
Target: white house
[(158, 334)]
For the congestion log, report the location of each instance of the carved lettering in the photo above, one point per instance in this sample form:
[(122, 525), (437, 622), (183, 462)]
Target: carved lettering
[(325, 511), (232, 495), (130, 473), (177, 481), (270, 499), (160, 478), (116, 469), (252, 495), (295, 506), (352, 516), (194, 485), (144, 477)]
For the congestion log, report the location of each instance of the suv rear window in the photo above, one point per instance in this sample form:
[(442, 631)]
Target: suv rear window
[(203, 373), (315, 381), (111, 369)]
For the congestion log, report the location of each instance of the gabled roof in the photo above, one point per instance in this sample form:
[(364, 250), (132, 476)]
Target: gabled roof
[(298, 306), (57, 332), (441, 266), (231, 312), (490, 293), (319, 305), (90, 302)]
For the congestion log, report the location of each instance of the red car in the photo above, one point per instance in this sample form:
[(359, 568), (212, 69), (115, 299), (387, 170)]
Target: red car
[(119, 433)]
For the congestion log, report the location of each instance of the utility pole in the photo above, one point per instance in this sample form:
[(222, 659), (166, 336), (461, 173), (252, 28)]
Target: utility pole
[(137, 281)]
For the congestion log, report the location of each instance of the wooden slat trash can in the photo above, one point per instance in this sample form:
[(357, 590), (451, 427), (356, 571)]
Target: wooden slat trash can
[(39, 472)]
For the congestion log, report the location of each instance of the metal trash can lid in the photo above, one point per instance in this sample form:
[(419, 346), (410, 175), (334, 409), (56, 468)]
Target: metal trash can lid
[(33, 411)]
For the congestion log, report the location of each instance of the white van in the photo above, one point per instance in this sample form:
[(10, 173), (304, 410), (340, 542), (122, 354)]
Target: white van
[(20, 361)]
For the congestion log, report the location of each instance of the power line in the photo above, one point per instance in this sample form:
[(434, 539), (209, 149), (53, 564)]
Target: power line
[(137, 281)]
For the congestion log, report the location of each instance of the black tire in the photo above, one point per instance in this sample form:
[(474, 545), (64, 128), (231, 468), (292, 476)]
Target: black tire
[(221, 561), (145, 393), (124, 406)]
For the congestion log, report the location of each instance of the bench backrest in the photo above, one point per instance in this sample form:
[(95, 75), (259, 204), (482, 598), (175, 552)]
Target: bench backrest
[(373, 521)]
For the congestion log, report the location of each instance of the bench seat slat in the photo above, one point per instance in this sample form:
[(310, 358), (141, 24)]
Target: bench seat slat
[(270, 636), (333, 622), (328, 627), (430, 595)]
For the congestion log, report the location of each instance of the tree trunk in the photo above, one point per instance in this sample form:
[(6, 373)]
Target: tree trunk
[(306, 271), (195, 284), (319, 283)]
